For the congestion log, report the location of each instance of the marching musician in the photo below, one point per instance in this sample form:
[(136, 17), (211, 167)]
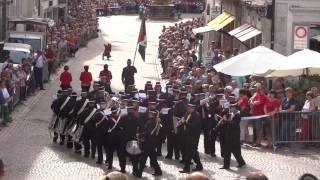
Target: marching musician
[(87, 135), (191, 123), (79, 107), (152, 106), (203, 111), (101, 134), (55, 107), (94, 93), (70, 119), (232, 137), (158, 90), (151, 130)]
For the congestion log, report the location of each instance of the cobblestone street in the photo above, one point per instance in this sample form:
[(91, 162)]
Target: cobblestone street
[(28, 151)]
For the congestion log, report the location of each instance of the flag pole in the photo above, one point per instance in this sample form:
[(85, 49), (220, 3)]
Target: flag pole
[(135, 54)]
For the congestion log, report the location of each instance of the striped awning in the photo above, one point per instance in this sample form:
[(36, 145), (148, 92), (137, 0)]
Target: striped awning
[(244, 32)]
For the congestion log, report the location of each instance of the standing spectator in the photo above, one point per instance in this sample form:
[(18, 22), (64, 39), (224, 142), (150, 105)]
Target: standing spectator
[(107, 51), (289, 104), (217, 58), (316, 95), (108, 76), (243, 104), (257, 102), (86, 79), (22, 82), (5, 113), (65, 78), (50, 59), (1, 169), (271, 108), (38, 69), (2, 101), (309, 106), (185, 42)]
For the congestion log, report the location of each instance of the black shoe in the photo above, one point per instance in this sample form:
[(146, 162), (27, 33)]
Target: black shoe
[(99, 162), (123, 171), (86, 155), (77, 151), (109, 167), (42, 89), (197, 169), (92, 157), (61, 143), (159, 173), (177, 158), (224, 167), (213, 155), (137, 175), (181, 162), (167, 157), (55, 139), (241, 165), (69, 145), (185, 171)]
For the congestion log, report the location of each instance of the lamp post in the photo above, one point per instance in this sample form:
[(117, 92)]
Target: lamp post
[(273, 15)]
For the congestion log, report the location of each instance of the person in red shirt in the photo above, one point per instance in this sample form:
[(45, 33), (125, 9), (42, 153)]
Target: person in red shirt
[(50, 59), (65, 78), (257, 102), (106, 75), (86, 79), (271, 107), (243, 103)]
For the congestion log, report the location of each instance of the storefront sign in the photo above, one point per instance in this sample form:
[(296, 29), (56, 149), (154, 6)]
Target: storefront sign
[(300, 37)]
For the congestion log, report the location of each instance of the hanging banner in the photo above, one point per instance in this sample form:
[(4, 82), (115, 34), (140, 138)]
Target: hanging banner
[(300, 37)]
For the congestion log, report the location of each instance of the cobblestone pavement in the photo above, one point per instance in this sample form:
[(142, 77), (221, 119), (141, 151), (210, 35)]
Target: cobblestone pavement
[(29, 153)]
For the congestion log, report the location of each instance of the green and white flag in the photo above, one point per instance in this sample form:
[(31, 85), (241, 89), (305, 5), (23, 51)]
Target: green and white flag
[(142, 41)]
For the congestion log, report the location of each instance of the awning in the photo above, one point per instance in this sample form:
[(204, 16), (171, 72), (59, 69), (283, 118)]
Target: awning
[(245, 32), (221, 21), (316, 38), (203, 29)]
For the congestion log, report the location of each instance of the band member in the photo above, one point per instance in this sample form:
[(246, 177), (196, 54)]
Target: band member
[(128, 75), (158, 90), (232, 138), (212, 111), (133, 125), (79, 107), (148, 86), (70, 120), (94, 93), (86, 79), (203, 111), (86, 120), (55, 107), (151, 130), (107, 51), (117, 139), (192, 125), (101, 134)]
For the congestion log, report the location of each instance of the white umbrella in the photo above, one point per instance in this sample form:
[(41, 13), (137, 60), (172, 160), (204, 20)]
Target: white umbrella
[(255, 61), (302, 62)]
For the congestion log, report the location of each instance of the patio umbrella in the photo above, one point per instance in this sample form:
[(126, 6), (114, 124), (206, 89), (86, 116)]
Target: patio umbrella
[(256, 61), (304, 62)]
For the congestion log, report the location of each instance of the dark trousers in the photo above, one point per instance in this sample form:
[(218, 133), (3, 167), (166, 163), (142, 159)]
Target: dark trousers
[(172, 145), (77, 146), (236, 151), (101, 144), (206, 140), (38, 77), (212, 142), (151, 153), (64, 87), (120, 148), (85, 88), (135, 163), (192, 154), (23, 92), (50, 68), (89, 144)]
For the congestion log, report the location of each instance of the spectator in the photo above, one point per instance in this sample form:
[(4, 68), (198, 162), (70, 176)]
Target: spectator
[(271, 107), (197, 176), (258, 101), (316, 95), (257, 176), (309, 106), (5, 113), (308, 176), (86, 79), (50, 59), (40, 60), (115, 176), (1, 169), (65, 78), (22, 83), (243, 104)]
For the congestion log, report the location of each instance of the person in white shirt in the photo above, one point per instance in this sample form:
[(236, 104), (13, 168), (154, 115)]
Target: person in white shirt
[(38, 69), (5, 114), (186, 42)]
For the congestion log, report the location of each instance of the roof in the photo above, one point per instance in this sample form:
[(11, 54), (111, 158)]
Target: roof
[(17, 47), (44, 21)]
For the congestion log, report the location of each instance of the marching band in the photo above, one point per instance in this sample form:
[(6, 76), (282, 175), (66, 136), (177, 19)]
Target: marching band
[(135, 124)]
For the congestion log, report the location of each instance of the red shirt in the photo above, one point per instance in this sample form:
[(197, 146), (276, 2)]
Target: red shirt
[(65, 78), (259, 109), (107, 74), (243, 102), (271, 105), (50, 54), (85, 78)]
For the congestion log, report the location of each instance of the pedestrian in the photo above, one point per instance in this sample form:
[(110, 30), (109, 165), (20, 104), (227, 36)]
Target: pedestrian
[(86, 79), (40, 60), (1, 169), (232, 139), (107, 75), (192, 125), (128, 75), (65, 78), (107, 51), (50, 55)]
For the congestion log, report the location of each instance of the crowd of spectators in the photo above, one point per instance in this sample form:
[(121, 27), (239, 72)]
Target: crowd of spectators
[(19, 81), (182, 67)]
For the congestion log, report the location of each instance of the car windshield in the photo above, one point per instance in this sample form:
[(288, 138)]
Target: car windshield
[(16, 56), (35, 43)]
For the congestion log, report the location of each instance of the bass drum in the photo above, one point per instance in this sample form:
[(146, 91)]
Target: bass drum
[(133, 147)]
